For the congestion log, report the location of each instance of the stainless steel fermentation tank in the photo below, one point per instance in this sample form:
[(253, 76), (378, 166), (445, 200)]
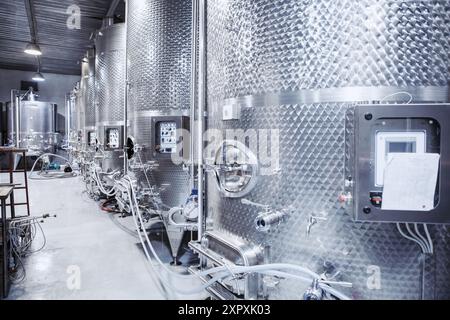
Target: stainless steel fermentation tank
[(159, 74), (110, 68), (72, 118), (85, 100), (37, 125), (296, 69)]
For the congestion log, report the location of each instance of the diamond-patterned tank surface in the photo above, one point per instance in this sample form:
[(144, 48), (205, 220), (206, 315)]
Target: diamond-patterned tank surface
[(110, 85), (159, 71), (258, 48)]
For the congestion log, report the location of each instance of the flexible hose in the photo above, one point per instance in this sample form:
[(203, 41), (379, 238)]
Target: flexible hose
[(97, 179), (226, 269), (53, 155), (334, 292), (323, 286), (144, 246)]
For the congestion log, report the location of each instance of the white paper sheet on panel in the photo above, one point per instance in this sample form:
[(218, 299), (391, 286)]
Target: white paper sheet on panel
[(410, 181)]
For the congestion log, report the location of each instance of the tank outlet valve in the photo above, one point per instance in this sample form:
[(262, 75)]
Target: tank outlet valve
[(267, 220), (345, 198), (314, 292)]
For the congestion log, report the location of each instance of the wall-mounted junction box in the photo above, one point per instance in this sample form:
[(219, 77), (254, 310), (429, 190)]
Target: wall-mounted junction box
[(231, 112), (380, 132)]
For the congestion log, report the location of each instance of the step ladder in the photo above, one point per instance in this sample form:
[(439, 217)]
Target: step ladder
[(11, 154)]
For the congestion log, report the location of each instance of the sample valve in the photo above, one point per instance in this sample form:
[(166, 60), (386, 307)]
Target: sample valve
[(269, 218)]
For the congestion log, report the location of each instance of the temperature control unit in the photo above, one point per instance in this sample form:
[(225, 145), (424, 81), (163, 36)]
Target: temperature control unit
[(168, 136), (377, 133), (113, 137)]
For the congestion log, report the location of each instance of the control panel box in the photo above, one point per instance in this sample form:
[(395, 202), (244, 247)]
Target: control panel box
[(381, 136), (92, 138), (113, 138), (168, 137)]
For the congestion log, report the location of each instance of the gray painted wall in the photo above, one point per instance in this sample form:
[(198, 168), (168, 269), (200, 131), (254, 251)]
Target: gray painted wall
[(53, 89)]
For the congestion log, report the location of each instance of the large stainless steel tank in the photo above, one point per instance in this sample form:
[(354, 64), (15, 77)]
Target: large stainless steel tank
[(110, 88), (37, 120), (297, 67), (159, 71), (86, 103)]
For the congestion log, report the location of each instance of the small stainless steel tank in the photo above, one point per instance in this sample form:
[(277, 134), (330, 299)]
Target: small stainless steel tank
[(37, 120)]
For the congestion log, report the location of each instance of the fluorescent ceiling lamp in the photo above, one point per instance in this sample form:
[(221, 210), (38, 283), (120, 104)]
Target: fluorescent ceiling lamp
[(33, 49), (38, 77)]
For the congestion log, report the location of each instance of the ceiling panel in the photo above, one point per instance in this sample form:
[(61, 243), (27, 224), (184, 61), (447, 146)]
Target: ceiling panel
[(62, 47)]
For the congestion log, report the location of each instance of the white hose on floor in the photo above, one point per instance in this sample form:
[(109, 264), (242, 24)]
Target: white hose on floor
[(55, 175), (164, 281), (223, 271)]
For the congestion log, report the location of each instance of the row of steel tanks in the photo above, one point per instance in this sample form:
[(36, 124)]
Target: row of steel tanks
[(277, 86), (133, 96)]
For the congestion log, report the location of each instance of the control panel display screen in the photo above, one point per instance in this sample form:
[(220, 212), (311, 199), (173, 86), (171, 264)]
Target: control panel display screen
[(387, 142), (92, 138), (113, 138), (167, 137), (401, 147)]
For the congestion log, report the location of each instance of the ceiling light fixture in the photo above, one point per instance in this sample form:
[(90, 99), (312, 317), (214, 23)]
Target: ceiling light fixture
[(33, 49), (38, 77)]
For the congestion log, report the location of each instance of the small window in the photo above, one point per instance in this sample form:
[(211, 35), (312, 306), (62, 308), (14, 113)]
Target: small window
[(395, 142)]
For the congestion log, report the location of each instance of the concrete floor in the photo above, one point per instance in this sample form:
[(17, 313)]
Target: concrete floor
[(84, 240)]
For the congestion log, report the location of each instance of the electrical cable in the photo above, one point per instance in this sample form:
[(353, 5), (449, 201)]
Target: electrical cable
[(22, 233), (430, 241), (410, 238), (425, 241), (415, 236)]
